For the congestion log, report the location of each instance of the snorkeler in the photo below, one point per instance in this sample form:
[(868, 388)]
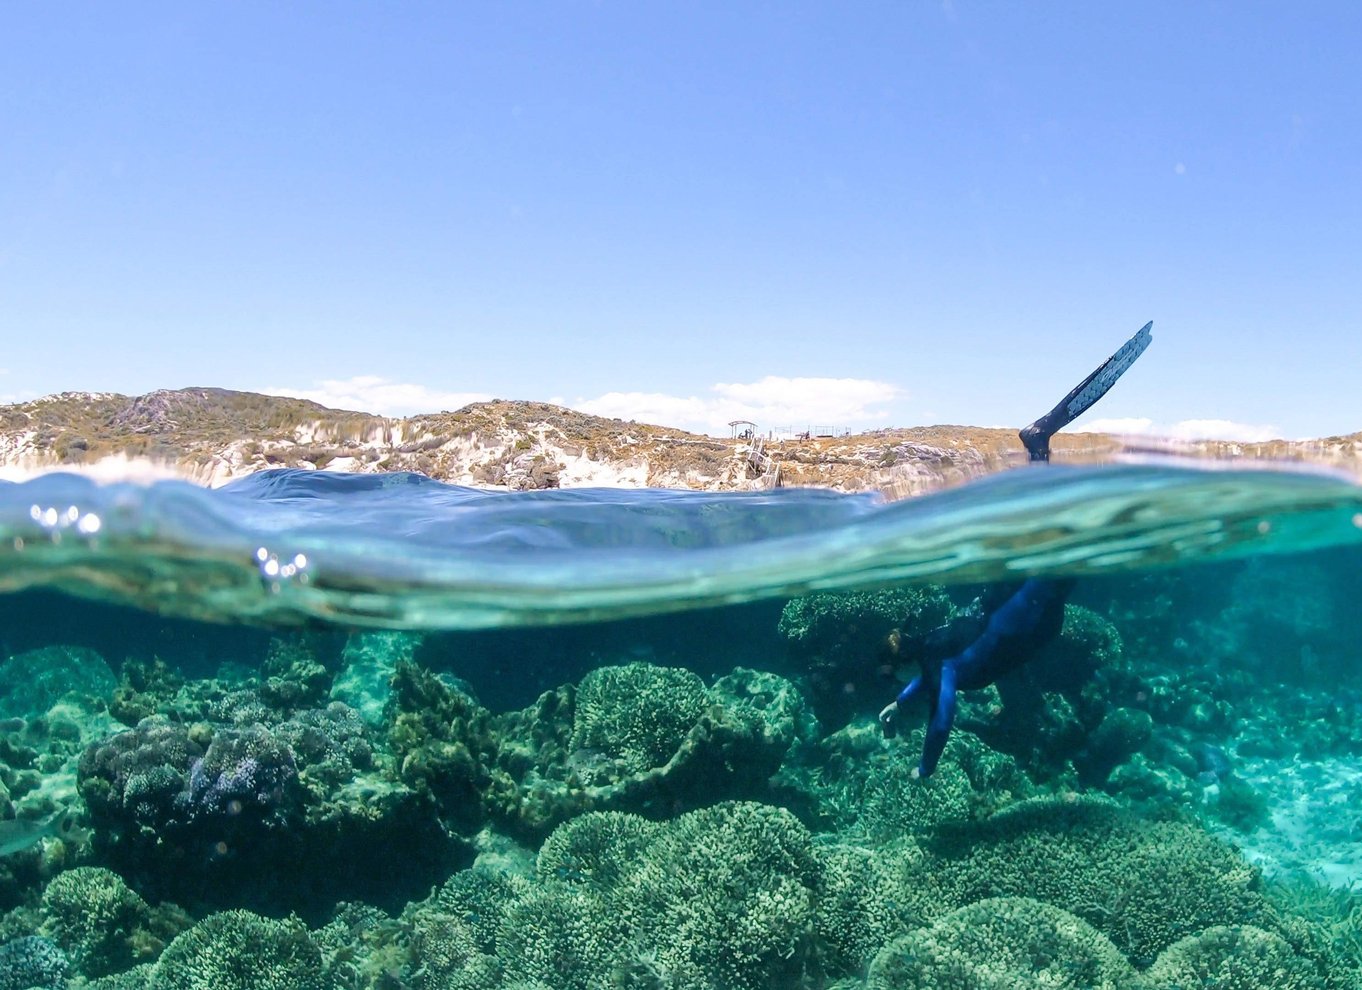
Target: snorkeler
[(1030, 616)]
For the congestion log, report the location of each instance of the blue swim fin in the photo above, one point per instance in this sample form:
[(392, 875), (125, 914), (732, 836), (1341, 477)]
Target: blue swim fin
[(1036, 437), (1100, 381)]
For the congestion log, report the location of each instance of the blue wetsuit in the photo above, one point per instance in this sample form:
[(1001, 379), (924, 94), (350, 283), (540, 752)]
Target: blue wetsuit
[(1032, 615), (1030, 618)]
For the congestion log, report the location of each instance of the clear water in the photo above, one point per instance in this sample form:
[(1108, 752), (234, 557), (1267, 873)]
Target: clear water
[(372, 731)]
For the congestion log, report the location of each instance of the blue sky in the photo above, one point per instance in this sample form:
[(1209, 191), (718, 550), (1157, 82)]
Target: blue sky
[(852, 215)]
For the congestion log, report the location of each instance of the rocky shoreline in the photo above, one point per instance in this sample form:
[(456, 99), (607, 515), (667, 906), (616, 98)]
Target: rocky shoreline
[(211, 436)]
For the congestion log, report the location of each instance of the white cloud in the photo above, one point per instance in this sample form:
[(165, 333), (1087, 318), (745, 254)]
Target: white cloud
[(770, 402), (1223, 429), (1131, 424), (1186, 429), (370, 393)]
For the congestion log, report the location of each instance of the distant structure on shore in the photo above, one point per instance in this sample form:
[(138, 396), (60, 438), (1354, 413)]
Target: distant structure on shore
[(745, 429)]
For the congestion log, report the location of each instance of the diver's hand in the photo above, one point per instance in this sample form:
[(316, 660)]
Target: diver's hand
[(887, 717)]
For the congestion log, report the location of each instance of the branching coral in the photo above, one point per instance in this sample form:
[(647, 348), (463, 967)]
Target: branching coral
[(95, 918), (1239, 957), (637, 714), (1009, 943), (847, 645), (1145, 885), (32, 963), (238, 950)]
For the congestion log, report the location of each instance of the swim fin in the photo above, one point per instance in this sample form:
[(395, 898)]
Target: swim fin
[(1036, 437)]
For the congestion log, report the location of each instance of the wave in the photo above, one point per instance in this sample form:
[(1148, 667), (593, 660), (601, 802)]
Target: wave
[(401, 551)]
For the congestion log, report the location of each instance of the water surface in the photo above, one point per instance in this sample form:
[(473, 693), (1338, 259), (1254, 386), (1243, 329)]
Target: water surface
[(333, 731)]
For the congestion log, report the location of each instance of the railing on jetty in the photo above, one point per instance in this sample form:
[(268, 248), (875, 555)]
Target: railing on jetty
[(766, 466)]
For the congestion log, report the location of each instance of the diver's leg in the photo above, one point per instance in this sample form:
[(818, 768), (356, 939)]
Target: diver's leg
[(1036, 437), (939, 728)]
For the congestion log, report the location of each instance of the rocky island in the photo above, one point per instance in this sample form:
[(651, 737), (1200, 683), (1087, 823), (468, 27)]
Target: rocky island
[(213, 435)]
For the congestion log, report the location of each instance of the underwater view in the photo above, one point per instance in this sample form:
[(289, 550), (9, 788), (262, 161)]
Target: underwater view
[(545, 496), (324, 732)]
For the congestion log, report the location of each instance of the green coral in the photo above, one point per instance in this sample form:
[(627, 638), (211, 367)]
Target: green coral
[(93, 915), (635, 737), (239, 950), (444, 742), (563, 935), (1239, 805), (1143, 884), (480, 897), (638, 713), (895, 802), (600, 847), (137, 978), (145, 688), (718, 899), (449, 957), (293, 675), (867, 897), (1086, 644), (865, 785), (1239, 957), (32, 682), (1009, 943), (845, 643), (725, 897), (774, 708), (830, 624)]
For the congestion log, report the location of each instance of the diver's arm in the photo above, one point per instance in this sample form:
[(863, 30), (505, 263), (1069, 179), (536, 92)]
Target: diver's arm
[(890, 712), (939, 728)]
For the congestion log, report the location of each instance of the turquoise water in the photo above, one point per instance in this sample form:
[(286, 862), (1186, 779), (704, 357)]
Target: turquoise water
[(327, 731)]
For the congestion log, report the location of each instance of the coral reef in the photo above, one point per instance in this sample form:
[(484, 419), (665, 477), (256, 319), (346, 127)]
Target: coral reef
[(92, 915), (636, 715), (1007, 943), (847, 648), (331, 815), (32, 963), (1239, 957), (31, 683), (528, 771), (238, 950), (217, 814), (1144, 884)]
